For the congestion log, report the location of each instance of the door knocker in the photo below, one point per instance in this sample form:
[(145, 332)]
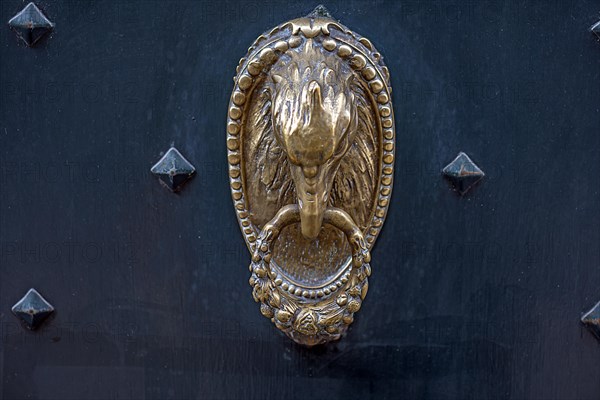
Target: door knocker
[(310, 138)]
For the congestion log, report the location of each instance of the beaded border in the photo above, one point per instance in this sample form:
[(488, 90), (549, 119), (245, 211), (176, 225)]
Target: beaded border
[(363, 58)]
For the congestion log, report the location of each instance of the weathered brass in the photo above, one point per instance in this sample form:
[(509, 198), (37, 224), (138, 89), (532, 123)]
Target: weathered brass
[(310, 138)]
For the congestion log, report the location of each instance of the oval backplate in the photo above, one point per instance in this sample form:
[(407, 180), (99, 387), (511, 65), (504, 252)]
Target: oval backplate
[(284, 62)]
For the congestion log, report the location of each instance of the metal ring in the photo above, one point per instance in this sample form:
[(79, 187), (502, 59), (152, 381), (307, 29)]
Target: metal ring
[(306, 315)]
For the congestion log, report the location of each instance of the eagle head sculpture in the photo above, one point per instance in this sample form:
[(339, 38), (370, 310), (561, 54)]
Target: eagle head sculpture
[(314, 121)]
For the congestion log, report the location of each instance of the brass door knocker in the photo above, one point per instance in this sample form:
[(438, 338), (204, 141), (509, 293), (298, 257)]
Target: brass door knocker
[(310, 138)]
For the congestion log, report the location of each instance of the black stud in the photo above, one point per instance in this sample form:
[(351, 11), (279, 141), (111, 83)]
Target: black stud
[(173, 170), (463, 173), (33, 309), (591, 320), (31, 24), (596, 29)]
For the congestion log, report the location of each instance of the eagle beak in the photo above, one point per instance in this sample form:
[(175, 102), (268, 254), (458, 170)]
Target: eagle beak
[(311, 217), (312, 199)]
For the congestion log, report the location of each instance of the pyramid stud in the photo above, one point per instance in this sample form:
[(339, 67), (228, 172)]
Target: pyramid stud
[(591, 320), (173, 170), (33, 309), (595, 29), (463, 173), (30, 24)]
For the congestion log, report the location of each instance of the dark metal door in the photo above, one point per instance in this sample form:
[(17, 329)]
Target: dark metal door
[(473, 296)]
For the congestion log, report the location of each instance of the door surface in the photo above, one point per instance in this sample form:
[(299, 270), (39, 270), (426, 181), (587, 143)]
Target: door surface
[(477, 296)]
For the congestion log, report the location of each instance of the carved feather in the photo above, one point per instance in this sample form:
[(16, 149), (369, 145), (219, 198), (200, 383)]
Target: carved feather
[(356, 179)]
